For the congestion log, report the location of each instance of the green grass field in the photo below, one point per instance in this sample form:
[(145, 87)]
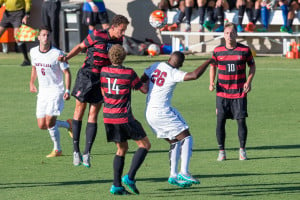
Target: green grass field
[(272, 171)]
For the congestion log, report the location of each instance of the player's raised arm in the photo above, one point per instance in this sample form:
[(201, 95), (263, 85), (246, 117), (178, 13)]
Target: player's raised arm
[(199, 71), (76, 50), (145, 80)]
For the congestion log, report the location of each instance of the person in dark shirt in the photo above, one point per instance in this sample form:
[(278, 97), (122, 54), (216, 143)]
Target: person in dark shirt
[(87, 85), (117, 82), (232, 87)]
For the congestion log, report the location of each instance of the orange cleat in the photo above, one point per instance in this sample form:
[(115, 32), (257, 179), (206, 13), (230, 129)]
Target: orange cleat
[(173, 27), (54, 153)]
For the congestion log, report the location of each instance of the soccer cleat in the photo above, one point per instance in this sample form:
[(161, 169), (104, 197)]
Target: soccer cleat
[(250, 27), (70, 129), (173, 27), (86, 160), (188, 178), (177, 182), (165, 28), (77, 160), (221, 156), (54, 153), (283, 29), (243, 155), (263, 29), (289, 30), (118, 190), (130, 184), (187, 28), (220, 29), (239, 28), (208, 25), (25, 63)]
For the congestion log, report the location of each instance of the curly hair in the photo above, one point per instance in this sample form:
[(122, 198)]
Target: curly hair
[(118, 20), (117, 54)]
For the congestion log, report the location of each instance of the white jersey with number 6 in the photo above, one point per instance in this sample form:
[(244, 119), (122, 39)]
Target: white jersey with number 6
[(164, 120), (49, 69)]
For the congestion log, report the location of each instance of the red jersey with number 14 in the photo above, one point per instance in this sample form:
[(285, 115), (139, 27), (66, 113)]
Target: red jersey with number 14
[(117, 83), (231, 64)]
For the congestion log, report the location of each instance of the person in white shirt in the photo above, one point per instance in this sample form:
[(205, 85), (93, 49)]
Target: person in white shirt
[(164, 120), (51, 93)]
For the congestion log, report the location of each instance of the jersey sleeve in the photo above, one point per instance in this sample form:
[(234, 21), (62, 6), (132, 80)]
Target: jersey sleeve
[(215, 59), (89, 40), (136, 82), (148, 71), (178, 75), (63, 65), (250, 60)]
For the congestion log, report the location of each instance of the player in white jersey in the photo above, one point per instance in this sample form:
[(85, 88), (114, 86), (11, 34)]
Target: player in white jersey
[(164, 120), (51, 94)]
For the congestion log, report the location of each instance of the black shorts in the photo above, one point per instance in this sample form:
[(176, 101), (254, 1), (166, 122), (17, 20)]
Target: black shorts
[(87, 86), (123, 132), (12, 18), (231, 108), (92, 18)]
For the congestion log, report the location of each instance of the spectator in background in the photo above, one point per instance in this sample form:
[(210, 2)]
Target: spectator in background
[(164, 5), (50, 19), (210, 22), (288, 8), (252, 16), (16, 13), (94, 12)]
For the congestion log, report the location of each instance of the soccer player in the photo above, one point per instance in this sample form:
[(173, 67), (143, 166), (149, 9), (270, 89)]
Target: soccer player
[(87, 85), (164, 120), (232, 87), (16, 13), (94, 12), (117, 82), (51, 94)]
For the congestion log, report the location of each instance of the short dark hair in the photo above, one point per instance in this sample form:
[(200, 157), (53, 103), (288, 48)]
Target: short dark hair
[(232, 25), (176, 59), (117, 54), (118, 20), (44, 28)]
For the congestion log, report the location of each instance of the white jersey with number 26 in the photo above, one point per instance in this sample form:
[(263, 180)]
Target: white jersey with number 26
[(163, 80), (49, 69)]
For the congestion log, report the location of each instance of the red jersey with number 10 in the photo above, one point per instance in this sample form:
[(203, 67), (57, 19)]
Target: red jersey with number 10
[(117, 82), (231, 64)]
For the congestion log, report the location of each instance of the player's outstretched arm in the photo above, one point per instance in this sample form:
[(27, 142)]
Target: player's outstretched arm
[(199, 71), (76, 50), (144, 89), (32, 80)]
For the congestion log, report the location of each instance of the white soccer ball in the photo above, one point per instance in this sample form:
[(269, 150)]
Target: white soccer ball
[(158, 19), (153, 50)]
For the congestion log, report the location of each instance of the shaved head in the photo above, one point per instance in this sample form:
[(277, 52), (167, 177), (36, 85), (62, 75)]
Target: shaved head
[(176, 59)]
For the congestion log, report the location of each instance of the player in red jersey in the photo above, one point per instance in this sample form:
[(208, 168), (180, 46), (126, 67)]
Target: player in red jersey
[(87, 85), (232, 87), (117, 82)]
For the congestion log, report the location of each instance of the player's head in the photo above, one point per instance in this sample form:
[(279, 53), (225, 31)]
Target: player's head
[(176, 59), (230, 32), (117, 54), (44, 36), (118, 26)]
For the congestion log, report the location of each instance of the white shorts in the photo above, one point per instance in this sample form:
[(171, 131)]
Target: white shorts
[(165, 122), (51, 104)]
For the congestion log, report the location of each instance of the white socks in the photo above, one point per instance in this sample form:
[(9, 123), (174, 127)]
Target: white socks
[(186, 153), (55, 137), (174, 155)]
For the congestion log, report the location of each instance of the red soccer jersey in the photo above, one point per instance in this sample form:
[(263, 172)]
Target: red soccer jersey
[(117, 82), (98, 43), (231, 64)]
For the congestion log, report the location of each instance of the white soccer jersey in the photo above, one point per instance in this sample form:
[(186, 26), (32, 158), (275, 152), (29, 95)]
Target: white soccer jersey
[(163, 80), (165, 121), (49, 69)]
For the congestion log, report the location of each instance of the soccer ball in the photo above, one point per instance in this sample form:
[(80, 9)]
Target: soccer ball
[(153, 50), (158, 19)]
